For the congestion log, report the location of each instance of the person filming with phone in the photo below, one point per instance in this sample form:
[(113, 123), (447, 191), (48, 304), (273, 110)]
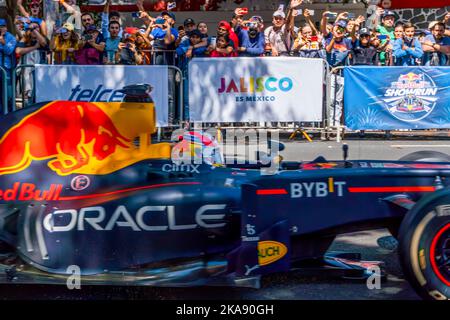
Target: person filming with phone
[(309, 41), (92, 43)]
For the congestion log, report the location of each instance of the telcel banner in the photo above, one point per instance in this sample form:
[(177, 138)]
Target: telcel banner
[(101, 84), (390, 98), (255, 89)]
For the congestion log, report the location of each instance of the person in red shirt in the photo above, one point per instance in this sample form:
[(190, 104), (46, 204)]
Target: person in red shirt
[(223, 48)]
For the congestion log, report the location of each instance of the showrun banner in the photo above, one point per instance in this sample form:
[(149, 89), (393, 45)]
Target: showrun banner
[(102, 84), (255, 89), (391, 98)]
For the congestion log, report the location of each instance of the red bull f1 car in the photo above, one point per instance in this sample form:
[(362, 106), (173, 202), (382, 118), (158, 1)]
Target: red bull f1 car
[(82, 185)]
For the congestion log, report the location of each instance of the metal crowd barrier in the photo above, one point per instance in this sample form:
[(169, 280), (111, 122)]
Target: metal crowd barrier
[(4, 89), (176, 106), (22, 80)]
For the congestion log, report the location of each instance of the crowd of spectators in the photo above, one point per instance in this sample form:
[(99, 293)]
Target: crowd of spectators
[(340, 38)]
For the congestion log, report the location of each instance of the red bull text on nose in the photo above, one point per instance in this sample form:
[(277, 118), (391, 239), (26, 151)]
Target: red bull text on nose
[(28, 192)]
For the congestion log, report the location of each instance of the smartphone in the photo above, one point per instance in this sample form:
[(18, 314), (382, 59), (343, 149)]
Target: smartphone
[(314, 38), (331, 15), (311, 12), (213, 41), (181, 28), (87, 37), (382, 37), (351, 15), (135, 14)]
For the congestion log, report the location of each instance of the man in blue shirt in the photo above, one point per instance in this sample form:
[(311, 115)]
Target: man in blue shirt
[(107, 18), (7, 60), (338, 46), (252, 42), (436, 46), (407, 50)]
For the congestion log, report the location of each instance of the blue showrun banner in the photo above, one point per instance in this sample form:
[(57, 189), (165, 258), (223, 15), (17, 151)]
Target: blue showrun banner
[(392, 98)]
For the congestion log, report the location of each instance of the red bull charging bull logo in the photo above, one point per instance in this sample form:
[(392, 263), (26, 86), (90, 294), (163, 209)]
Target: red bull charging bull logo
[(78, 137), (412, 97)]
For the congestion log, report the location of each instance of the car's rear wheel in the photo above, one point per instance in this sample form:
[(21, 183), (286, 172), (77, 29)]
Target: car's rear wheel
[(424, 246)]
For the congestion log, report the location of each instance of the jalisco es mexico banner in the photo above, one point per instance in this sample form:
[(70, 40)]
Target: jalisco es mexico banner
[(390, 98), (101, 84), (255, 89)]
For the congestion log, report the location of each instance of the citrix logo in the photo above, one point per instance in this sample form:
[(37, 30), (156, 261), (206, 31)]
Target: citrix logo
[(99, 94)]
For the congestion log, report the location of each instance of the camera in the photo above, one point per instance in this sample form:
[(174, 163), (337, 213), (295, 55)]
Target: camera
[(87, 37)]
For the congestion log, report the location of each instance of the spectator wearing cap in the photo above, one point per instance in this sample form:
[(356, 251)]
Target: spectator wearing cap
[(183, 33), (64, 44), (337, 46), (386, 28), (407, 50), (7, 59), (71, 14), (107, 18), (363, 52), (436, 46), (91, 44), (35, 12), (277, 36), (253, 41)]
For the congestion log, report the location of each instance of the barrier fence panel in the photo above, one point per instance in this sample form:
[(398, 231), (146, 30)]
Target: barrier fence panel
[(4, 89), (256, 89), (102, 84), (394, 98), (26, 85)]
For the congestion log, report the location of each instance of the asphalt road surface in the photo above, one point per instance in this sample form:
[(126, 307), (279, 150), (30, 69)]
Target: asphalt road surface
[(294, 286)]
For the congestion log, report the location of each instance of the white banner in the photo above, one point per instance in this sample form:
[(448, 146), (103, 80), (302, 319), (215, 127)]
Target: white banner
[(255, 89), (101, 84)]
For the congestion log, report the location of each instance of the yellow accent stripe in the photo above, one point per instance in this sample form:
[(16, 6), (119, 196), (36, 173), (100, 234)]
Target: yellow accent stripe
[(331, 184)]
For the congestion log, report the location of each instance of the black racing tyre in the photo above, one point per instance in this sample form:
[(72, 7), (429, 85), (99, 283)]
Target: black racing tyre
[(426, 156), (424, 246)]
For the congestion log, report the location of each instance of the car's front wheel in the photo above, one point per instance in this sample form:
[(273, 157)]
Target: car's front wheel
[(424, 246)]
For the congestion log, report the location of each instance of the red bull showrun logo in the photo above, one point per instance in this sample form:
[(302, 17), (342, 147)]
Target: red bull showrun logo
[(412, 97)]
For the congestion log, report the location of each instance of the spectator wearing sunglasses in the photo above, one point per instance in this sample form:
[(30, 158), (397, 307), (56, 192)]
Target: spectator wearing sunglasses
[(64, 44), (364, 53), (34, 12), (252, 39)]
